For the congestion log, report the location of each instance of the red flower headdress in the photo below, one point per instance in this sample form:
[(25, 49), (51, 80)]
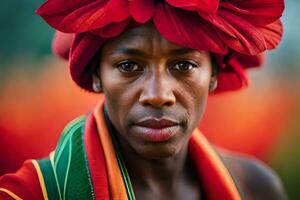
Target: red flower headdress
[(237, 32)]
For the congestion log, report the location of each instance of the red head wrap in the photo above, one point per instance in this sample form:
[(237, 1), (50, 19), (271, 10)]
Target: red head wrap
[(237, 32)]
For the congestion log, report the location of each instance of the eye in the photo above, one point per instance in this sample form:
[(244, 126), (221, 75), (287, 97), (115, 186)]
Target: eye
[(184, 66), (129, 66)]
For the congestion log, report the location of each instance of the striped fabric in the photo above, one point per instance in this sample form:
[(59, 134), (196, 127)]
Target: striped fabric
[(87, 164)]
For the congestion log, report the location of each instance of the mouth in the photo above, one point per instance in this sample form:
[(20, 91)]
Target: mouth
[(156, 130)]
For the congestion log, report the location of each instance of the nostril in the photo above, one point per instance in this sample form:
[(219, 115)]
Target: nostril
[(169, 103), (155, 104), (146, 104)]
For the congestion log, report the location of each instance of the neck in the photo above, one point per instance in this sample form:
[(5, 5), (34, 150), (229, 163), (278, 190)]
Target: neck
[(155, 173), (159, 177)]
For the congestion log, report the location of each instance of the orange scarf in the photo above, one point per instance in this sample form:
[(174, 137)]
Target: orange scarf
[(217, 182)]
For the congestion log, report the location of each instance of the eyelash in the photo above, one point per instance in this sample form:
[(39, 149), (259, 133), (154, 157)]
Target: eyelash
[(191, 66), (121, 67), (135, 67)]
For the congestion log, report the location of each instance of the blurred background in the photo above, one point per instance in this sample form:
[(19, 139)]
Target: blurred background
[(37, 98)]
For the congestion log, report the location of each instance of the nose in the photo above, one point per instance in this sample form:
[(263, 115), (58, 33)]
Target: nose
[(157, 92)]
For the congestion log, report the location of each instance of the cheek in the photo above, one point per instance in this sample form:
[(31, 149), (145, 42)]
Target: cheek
[(193, 94), (117, 98)]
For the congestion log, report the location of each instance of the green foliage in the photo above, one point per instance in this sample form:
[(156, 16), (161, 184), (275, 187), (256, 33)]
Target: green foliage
[(22, 32), (286, 161)]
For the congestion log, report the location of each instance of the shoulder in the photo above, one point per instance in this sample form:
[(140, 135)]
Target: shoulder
[(24, 184), (255, 179)]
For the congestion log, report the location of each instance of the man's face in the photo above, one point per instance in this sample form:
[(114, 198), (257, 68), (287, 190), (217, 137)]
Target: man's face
[(155, 91)]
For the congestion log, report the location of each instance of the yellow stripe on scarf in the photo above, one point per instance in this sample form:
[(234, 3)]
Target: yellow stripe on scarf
[(41, 179), (10, 193)]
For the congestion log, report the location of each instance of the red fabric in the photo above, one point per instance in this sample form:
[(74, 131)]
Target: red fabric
[(24, 183), (82, 75), (213, 175), (176, 25), (83, 15), (96, 159), (61, 44), (233, 27), (209, 6), (208, 172), (240, 24), (142, 10)]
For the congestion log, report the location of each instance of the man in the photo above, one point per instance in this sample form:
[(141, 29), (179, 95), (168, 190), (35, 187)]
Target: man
[(155, 62)]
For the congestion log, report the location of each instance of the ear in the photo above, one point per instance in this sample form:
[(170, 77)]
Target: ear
[(214, 76), (97, 86), (213, 83)]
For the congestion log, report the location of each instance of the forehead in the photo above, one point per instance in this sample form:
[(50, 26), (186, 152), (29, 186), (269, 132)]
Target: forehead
[(144, 38)]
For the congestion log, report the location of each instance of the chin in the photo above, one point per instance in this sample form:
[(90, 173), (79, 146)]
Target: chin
[(157, 151)]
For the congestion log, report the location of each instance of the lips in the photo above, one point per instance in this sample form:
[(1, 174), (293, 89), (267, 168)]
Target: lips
[(156, 130), (156, 123)]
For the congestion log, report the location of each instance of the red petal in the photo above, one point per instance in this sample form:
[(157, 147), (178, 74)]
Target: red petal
[(245, 28), (232, 73), (56, 7), (249, 61), (232, 77), (257, 12), (96, 14), (209, 6), (230, 80), (238, 33), (187, 29), (61, 44), (272, 34), (112, 30), (141, 10)]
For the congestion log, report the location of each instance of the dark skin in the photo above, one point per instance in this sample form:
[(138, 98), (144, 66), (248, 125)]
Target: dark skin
[(144, 76)]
